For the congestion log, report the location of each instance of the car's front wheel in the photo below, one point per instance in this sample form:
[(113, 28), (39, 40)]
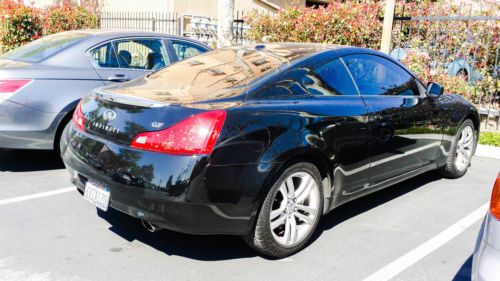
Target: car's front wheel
[(290, 212), (461, 151)]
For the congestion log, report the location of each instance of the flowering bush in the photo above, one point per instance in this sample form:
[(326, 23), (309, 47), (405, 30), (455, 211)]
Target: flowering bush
[(65, 17), (20, 24), (338, 23)]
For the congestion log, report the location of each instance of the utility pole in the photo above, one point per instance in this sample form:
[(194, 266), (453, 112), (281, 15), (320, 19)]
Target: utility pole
[(387, 28), (225, 14)]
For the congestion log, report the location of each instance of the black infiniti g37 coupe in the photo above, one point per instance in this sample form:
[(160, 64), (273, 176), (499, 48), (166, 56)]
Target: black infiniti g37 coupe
[(261, 141)]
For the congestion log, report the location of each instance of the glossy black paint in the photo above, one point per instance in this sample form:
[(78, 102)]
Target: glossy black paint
[(359, 143)]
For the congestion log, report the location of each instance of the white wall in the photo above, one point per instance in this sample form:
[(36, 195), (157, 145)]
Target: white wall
[(138, 5)]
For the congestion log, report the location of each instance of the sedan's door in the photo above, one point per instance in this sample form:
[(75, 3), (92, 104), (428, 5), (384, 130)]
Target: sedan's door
[(405, 134), (129, 58)]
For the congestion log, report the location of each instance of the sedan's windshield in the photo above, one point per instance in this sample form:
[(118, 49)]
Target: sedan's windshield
[(41, 49)]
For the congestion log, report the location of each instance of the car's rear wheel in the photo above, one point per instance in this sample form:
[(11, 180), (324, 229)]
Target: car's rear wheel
[(461, 151), (290, 212)]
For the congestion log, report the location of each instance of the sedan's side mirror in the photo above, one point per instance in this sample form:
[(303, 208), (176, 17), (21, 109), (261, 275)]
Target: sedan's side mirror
[(434, 89)]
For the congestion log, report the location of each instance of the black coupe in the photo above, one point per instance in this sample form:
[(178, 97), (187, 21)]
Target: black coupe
[(261, 141)]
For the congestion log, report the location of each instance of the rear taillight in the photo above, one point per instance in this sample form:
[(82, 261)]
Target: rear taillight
[(78, 117), (495, 199), (194, 135), (11, 86)]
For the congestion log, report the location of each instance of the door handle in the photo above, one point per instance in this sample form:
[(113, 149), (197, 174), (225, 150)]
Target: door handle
[(118, 78)]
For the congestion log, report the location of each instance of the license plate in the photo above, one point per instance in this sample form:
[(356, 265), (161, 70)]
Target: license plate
[(97, 194)]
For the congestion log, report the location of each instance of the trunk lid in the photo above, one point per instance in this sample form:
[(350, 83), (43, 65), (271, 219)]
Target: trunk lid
[(121, 119)]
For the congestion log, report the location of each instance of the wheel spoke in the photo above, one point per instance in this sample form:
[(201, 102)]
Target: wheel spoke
[(304, 184), (303, 195), (279, 221), (286, 236), (289, 187), (293, 230), (304, 218), (306, 209)]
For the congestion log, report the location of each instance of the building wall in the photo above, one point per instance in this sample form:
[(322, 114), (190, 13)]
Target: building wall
[(193, 7)]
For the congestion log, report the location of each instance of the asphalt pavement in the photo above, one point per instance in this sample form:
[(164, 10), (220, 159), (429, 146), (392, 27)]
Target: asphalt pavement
[(48, 232)]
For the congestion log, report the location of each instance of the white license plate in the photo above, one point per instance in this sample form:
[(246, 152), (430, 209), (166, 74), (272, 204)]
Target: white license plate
[(97, 194)]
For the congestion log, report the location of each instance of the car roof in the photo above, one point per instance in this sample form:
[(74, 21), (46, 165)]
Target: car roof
[(105, 34)]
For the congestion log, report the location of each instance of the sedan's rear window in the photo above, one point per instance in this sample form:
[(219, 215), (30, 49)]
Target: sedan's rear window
[(43, 48)]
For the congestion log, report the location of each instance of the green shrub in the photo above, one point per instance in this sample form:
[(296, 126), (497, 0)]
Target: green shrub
[(64, 17), (341, 22), (489, 138), (21, 24)]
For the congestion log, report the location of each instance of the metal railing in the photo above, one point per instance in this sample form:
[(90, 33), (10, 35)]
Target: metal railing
[(198, 27), (461, 41)]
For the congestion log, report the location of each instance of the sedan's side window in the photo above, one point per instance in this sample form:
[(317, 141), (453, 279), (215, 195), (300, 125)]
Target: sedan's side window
[(143, 54), (105, 56), (330, 79), (375, 75), (184, 50)]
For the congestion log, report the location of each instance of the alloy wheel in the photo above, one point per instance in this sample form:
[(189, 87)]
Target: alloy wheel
[(464, 149), (295, 209)]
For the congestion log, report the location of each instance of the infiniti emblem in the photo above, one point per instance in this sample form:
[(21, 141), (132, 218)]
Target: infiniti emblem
[(109, 115)]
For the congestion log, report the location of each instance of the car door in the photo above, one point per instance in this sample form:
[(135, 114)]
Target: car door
[(129, 58), (405, 131), (345, 129)]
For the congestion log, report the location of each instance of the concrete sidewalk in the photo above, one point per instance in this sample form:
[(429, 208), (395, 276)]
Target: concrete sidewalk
[(488, 151)]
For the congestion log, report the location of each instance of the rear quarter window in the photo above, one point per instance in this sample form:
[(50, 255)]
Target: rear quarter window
[(44, 48)]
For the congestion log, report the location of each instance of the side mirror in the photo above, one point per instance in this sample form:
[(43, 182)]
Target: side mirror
[(434, 89)]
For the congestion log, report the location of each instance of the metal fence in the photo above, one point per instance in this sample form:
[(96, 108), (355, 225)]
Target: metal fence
[(460, 41), (146, 21), (197, 27)]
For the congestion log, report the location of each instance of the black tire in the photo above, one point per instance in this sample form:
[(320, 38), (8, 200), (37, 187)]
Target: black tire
[(450, 170), (58, 147), (261, 238)]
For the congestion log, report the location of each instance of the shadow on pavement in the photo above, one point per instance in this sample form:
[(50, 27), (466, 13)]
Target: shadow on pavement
[(368, 202), (224, 247), (465, 272), (29, 160), (199, 247)]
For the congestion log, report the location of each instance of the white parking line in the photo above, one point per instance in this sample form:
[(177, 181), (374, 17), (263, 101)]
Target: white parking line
[(36, 195), (412, 257)]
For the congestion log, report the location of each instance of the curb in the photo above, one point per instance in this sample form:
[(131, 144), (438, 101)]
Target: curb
[(488, 151)]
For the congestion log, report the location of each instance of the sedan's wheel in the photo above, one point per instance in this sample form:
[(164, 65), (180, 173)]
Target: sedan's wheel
[(461, 151), (290, 212)]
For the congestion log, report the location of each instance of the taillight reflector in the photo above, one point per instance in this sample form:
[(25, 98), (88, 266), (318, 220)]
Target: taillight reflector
[(78, 116), (495, 199), (12, 85), (197, 134)]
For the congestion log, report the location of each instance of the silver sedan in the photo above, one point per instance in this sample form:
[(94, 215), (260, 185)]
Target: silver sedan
[(486, 261), (42, 82)]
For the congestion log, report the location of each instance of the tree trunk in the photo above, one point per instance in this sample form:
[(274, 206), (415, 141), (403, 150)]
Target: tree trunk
[(225, 13)]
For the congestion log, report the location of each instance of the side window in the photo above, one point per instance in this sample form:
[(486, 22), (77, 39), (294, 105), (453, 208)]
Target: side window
[(184, 50), (330, 79), (144, 54), (375, 75), (105, 56)]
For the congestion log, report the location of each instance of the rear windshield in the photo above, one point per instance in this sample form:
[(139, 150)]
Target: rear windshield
[(43, 48)]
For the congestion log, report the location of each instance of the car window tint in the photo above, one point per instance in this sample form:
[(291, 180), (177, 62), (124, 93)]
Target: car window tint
[(375, 75), (330, 79), (43, 48), (145, 54), (105, 56), (184, 50)]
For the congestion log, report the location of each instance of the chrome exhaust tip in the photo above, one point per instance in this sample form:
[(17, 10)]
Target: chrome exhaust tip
[(150, 227)]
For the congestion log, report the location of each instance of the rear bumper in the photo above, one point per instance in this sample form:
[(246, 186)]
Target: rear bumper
[(486, 261), (181, 193), (22, 127)]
